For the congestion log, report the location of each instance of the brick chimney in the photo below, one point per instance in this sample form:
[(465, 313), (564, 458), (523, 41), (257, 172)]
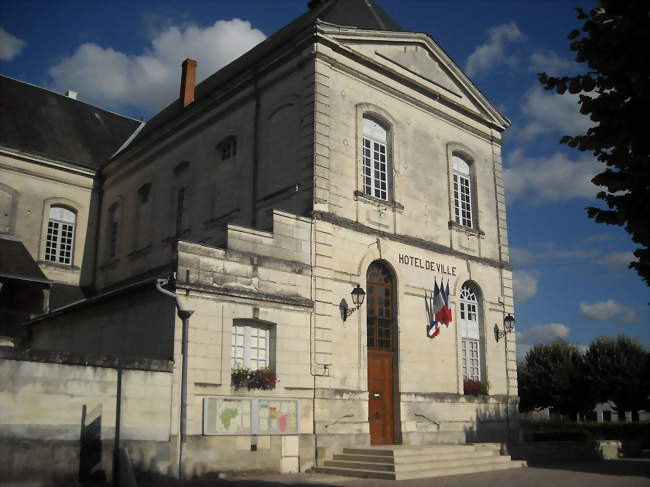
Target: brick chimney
[(188, 80)]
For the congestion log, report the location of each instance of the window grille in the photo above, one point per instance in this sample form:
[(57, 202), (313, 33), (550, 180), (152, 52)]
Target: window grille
[(462, 192), (250, 346), (470, 326), (375, 160), (379, 307), (59, 242)]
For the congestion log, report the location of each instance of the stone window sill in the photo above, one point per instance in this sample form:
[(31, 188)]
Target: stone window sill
[(58, 265), (393, 205), (477, 232)]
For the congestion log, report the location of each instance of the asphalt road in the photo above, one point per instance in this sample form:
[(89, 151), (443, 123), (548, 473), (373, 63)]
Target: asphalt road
[(616, 473)]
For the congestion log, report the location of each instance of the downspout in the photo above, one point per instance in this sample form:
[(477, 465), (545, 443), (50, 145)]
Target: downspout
[(100, 198), (256, 149), (184, 315)]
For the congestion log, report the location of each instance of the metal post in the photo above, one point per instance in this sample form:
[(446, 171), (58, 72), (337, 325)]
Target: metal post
[(507, 392), (185, 316)]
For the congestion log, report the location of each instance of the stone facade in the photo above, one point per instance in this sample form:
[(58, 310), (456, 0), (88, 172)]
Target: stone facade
[(256, 198)]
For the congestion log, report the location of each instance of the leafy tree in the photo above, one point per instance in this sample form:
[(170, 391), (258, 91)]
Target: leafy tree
[(615, 93), (551, 376), (617, 371)]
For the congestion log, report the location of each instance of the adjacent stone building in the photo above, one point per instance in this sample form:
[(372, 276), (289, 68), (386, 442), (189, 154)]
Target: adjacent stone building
[(340, 152)]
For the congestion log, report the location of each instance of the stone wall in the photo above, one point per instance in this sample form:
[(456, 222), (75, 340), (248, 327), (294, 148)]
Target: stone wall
[(50, 401)]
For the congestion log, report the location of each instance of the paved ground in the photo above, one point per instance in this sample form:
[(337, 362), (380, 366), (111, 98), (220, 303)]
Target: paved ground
[(616, 473)]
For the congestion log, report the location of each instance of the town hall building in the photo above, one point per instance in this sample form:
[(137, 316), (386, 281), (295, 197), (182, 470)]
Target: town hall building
[(285, 235)]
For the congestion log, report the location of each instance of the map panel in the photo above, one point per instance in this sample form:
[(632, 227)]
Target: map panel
[(227, 416), (275, 416)]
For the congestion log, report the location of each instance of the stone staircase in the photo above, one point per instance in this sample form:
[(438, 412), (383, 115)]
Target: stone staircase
[(400, 462)]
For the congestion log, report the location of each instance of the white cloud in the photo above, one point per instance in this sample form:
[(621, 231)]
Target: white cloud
[(617, 260), (150, 80), (549, 112), (545, 333), (607, 310), (493, 53), (525, 285), (550, 63), (552, 178), (10, 46)]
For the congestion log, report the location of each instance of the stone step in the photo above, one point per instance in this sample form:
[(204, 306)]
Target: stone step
[(447, 464), (369, 451), (380, 467), (442, 472), (364, 458), (443, 454), (446, 455), (353, 472)]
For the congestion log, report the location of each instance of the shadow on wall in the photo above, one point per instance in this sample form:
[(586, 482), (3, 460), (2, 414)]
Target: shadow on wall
[(491, 426), (90, 446)]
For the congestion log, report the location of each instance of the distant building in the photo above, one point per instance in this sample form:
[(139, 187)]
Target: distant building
[(341, 151)]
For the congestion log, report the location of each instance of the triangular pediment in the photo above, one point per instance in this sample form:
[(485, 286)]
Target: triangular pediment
[(416, 57)]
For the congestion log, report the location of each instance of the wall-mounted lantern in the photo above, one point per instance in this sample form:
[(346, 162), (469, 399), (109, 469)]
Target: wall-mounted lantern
[(508, 327), (358, 296)]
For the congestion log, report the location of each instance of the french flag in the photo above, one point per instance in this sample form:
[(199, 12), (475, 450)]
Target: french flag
[(443, 311)]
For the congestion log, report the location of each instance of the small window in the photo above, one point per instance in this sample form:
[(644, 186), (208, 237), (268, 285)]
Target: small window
[(143, 216), (59, 243), (251, 345), (113, 230), (227, 148), (375, 159), (462, 192), (471, 331)]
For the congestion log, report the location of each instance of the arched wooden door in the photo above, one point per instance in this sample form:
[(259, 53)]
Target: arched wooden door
[(381, 354)]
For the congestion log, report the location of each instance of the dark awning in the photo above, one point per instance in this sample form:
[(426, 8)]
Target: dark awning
[(17, 263)]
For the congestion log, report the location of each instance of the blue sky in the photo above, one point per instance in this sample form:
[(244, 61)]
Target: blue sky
[(571, 274)]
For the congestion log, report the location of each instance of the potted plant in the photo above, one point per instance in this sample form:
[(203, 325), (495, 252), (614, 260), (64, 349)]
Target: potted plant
[(263, 379)]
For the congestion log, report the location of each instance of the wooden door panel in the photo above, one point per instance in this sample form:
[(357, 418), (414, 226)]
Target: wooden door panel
[(380, 400)]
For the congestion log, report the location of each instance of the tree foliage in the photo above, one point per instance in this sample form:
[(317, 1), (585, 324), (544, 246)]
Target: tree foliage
[(617, 371), (552, 377), (560, 377), (615, 93)]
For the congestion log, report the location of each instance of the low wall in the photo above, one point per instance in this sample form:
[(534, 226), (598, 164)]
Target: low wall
[(551, 452), (57, 414)]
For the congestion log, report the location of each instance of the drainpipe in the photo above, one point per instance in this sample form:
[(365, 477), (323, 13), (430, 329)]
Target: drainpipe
[(184, 315)]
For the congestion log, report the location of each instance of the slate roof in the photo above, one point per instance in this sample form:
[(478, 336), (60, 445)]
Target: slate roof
[(361, 14), (45, 123), (17, 263)]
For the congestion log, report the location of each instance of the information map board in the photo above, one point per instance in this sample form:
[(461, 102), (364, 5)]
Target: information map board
[(250, 416)]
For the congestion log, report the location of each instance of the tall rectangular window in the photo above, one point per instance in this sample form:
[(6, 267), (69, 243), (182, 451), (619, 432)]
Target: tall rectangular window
[(375, 159), (59, 242), (471, 334), (180, 210), (250, 345), (462, 192)]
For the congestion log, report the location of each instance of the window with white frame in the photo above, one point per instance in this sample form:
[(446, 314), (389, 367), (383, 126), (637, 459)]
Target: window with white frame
[(462, 192), (375, 159), (471, 331), (251, 345), (59, 242)]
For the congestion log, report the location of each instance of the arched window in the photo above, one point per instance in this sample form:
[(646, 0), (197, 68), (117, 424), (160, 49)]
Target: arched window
[(462, 192), (380, 307), (59, 242), (375, 159), (471, 329), (113, 230)]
